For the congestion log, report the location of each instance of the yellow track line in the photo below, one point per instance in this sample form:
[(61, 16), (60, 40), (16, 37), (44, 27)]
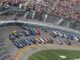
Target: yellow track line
[(27, 47)]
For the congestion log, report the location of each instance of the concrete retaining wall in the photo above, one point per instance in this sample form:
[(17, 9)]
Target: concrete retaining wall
[(38, 24)]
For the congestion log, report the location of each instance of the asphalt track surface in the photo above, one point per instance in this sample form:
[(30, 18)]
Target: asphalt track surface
[(9, 49)]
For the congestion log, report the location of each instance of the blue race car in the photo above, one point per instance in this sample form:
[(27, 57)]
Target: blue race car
[(26, 42), (17, 33), (69, 36), (32, 32), (29, 41), (18, 44), (11, 36)]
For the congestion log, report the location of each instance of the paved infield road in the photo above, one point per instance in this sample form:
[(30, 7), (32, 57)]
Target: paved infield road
[(11, 49)]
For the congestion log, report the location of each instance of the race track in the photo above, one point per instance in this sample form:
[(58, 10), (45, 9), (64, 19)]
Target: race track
[(8, 49)]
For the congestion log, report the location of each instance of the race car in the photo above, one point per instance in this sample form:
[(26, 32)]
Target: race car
[(26, 33), (77, 39), (23, 41), (11, 36), (37, 31), (37, 40), (33, 40), (26, 42), (44, 29), (56, 33), (46, 40), (20, 32), (18, 44), (32, 32), (52, 34), (16, 34), (69, 36), (29, 41), (61, 35), (50, 40), (59, 42), (65, 36), (68, 42), (43, 41)]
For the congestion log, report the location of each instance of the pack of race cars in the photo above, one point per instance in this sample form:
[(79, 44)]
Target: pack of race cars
[(20, 43), (17, 33), (67, 36)]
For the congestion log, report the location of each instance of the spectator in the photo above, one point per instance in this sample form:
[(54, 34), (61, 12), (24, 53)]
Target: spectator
[(61, 8)]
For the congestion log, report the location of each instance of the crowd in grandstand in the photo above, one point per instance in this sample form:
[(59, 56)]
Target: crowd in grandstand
[(61, 8)]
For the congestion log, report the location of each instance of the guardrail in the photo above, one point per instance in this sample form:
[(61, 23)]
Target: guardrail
[(38, 24)]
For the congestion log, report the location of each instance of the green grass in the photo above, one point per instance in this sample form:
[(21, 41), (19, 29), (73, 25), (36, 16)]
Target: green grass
[(54, 55)]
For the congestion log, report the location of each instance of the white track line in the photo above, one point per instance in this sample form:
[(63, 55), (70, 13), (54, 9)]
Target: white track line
[(3, 51), (3, 46), (4, 55), (9, 58)]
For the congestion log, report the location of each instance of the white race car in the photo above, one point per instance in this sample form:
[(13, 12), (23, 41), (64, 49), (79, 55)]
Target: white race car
[(59, 42), (77, 39)]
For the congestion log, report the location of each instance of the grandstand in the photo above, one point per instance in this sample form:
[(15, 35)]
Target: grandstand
[(33, 13)]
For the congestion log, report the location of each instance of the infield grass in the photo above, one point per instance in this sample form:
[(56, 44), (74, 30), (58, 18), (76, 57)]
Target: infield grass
[(55, 55)]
